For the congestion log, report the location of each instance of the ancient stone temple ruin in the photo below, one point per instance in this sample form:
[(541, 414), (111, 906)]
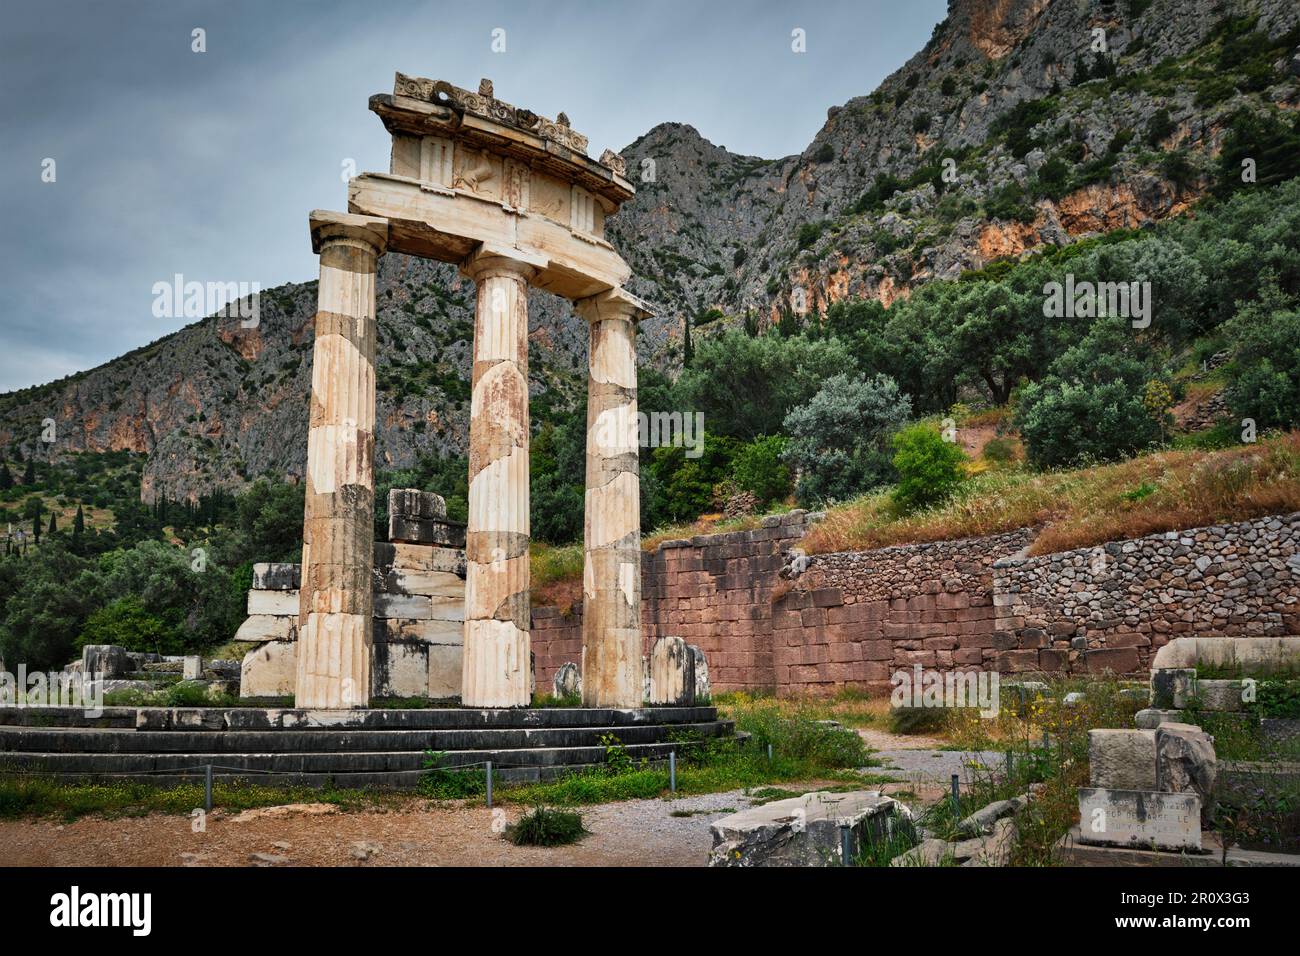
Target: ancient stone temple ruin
[(513, 199)]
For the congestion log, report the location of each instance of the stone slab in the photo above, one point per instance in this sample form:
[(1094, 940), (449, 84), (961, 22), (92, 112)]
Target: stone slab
[(801, 831), (1139, 818), (282, 603), (276, 576), (1122, 759), (270, 670), (430, 631), (268, 627)]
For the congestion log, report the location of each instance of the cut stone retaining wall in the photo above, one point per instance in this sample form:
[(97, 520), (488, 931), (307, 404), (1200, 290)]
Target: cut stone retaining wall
[(854, 618)]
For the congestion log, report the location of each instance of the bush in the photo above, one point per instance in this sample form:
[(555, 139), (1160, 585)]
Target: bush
[(757, 468), (1090, 406), (838, 439), (543, 826), (929, 468), (126, 623), (1264, 376)]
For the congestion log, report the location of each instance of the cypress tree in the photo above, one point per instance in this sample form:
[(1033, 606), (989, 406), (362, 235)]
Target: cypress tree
[(6, 477)]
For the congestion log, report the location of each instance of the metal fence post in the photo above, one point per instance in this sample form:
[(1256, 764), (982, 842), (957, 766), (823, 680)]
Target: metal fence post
[(956, 797), (672, 770), (489, 784), (846, 843), (207, 788)]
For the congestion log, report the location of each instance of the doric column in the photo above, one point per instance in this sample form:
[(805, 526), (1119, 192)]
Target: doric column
[(611, 606), (496, 670), (335, 611)]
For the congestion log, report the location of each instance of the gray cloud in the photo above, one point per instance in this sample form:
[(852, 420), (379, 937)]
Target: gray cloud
[(207, 164)]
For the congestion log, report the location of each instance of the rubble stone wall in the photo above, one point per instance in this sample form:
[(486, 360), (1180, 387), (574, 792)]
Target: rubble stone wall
[(854, 618)]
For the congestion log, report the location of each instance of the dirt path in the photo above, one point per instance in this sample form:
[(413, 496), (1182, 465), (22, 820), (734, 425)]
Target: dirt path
[(634, 833)]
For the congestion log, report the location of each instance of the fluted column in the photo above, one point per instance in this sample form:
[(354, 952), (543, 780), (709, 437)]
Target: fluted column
[(497, 671), (335, 611), (611, 607)]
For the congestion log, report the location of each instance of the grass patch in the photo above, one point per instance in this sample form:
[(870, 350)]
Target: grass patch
[(24, 796), (546, 826), (1087, 506)]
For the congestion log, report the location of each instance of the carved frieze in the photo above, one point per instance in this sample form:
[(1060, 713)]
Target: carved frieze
[(483, 103)]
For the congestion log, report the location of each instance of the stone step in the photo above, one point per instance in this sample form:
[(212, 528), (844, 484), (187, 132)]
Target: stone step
[(121, 741), (67, 717), (266, 766), (276, 719), (442, 718)]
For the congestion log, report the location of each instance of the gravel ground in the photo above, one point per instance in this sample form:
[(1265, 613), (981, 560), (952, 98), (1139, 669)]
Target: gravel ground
[(631, 833), (936, 766)]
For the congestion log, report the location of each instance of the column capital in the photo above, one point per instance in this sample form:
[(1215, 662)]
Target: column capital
[(615, 303), (493, 259), (326, 225)]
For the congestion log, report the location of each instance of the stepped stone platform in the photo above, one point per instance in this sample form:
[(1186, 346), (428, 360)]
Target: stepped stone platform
[(354, 748)]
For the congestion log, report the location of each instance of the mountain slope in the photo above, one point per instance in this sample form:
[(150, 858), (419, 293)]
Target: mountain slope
[(989, 142)]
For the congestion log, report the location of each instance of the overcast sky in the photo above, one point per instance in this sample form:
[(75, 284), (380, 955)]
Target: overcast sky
[(206, 164)]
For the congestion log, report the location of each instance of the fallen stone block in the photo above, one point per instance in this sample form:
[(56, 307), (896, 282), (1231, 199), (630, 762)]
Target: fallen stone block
[(193, 667), (283, 603), (801, 831), (703, 692), (276, 577), (1220, 695), (568, 681), (1153, 717), (992, 850), (672, 673), (270, 670), (981, 822), (1139, 818), (1185, 762), (929, 852), (268, 627), (105, 661), (1172, 688), (1122, 759)]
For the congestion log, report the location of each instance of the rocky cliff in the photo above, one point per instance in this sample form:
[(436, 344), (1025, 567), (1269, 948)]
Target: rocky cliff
[(988, 143)]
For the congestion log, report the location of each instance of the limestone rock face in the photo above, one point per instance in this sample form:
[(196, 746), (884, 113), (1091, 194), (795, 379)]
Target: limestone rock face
[(1122, 759), (146, 402), (802, 831)]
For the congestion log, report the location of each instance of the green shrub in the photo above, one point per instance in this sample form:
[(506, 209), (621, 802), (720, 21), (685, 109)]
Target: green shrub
[(929, 468), (838, 439), (544, 826), (1264, 376), (757, 468), (126, 623), (1090, 405)]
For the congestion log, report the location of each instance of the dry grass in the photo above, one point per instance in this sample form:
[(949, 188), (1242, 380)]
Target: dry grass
[(1166, 491)]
